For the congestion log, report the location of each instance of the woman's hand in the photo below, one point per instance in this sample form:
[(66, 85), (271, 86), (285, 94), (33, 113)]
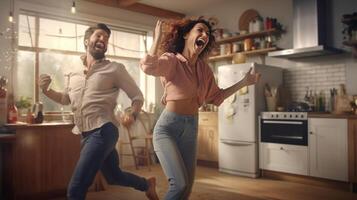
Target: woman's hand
[(158, 30), (157, 38), (251, 77)]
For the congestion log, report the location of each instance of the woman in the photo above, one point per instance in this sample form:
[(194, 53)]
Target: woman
[(188, 82)]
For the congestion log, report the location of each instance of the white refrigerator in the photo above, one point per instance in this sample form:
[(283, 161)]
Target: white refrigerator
[(238, 118)]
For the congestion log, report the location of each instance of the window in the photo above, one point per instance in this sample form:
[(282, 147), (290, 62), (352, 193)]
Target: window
[(51, 46)]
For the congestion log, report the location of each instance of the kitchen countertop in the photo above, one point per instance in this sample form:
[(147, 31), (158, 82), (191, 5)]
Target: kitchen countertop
[(331, 115), (44, 124)]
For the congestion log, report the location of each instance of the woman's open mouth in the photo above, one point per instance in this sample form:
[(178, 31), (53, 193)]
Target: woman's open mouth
[(200, 42)]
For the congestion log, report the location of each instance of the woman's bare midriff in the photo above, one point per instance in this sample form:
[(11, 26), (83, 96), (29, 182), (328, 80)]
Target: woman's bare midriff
[(183, 106)]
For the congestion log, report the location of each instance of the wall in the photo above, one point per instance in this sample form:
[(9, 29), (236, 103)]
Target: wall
[(319, 73), (229, 13)]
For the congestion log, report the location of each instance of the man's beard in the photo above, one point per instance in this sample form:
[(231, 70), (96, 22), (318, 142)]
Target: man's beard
[(97, 54)]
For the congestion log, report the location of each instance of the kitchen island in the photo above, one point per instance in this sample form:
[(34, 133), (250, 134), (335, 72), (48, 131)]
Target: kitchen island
[(38, 160)]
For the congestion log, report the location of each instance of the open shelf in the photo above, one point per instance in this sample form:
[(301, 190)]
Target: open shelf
[(249, 35), (248, 53), (351, 43)]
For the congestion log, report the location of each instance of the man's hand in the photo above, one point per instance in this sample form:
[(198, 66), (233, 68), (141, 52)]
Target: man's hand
[(126, 119), (136, 108), (44, 82)]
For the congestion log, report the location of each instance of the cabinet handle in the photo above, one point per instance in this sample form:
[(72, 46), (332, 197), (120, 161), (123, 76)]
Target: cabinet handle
[(311, 133), (281, 148)]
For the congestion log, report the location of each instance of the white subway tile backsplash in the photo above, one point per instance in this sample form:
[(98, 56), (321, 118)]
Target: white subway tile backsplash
[(316, 77)]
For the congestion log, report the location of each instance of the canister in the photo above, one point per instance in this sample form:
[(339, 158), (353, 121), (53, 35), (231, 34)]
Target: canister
[(248, 43)]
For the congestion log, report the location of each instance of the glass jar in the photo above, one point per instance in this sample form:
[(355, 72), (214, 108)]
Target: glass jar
[(248, 43), (236, 47), (225, 49)]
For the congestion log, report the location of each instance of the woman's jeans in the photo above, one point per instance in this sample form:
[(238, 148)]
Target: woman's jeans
[(98, 153), (175, 140)]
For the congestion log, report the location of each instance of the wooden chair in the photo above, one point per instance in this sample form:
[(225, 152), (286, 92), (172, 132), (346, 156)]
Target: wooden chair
[(140, 143)]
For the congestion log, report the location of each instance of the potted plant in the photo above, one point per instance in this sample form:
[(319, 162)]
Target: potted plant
[(23, 104)]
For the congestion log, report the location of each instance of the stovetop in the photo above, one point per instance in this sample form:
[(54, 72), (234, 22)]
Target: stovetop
[(299, 107)]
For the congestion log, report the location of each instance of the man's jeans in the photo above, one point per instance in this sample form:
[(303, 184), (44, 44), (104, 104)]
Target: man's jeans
[(99, 153), (175, 141)]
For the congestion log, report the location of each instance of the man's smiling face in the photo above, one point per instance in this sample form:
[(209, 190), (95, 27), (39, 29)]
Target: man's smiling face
[(98, 43)]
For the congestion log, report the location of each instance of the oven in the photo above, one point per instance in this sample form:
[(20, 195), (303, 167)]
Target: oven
[(284, 128)]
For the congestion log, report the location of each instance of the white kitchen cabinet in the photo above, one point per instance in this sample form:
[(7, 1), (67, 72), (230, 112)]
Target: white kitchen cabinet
[(284, 158), (328, 151)]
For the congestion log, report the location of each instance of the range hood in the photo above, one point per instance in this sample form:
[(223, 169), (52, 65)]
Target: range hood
[(312, 30)]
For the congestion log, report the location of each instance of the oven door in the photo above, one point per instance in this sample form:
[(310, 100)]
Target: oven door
[(284, 131)]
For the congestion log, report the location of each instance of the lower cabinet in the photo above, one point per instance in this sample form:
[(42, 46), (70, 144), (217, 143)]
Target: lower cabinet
[(40, 162), (207, 149), (328, 151), (326, 155), (284, 158)]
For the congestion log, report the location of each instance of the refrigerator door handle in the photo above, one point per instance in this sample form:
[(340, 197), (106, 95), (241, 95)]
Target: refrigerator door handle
[(236, 143)]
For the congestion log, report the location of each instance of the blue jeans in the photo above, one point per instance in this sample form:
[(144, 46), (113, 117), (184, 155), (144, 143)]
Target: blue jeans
[(175, 141), (98, 153)]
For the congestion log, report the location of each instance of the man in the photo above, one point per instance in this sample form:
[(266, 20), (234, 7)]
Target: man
[(92, 95)]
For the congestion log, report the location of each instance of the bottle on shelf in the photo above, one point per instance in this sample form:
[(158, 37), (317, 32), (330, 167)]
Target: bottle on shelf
[(30, 119), (267, 23), (38, 115), (322, 101), (12, 112)]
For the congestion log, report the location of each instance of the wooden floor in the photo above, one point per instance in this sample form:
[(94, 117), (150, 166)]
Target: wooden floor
[(213, 185)]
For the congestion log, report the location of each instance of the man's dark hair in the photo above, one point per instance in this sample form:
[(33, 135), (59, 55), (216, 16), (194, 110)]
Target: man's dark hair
[(91, 30)]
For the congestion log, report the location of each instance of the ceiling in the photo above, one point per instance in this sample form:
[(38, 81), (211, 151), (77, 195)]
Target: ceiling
[(183, 6), (164, 8)]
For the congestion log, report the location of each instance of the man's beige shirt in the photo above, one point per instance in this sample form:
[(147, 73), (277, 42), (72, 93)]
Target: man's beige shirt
[(93, 94)]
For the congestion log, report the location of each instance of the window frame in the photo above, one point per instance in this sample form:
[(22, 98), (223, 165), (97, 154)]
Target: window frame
[(144, 80)]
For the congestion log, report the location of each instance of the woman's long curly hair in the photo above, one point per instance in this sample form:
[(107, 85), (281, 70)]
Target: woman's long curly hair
[(174, 41)]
